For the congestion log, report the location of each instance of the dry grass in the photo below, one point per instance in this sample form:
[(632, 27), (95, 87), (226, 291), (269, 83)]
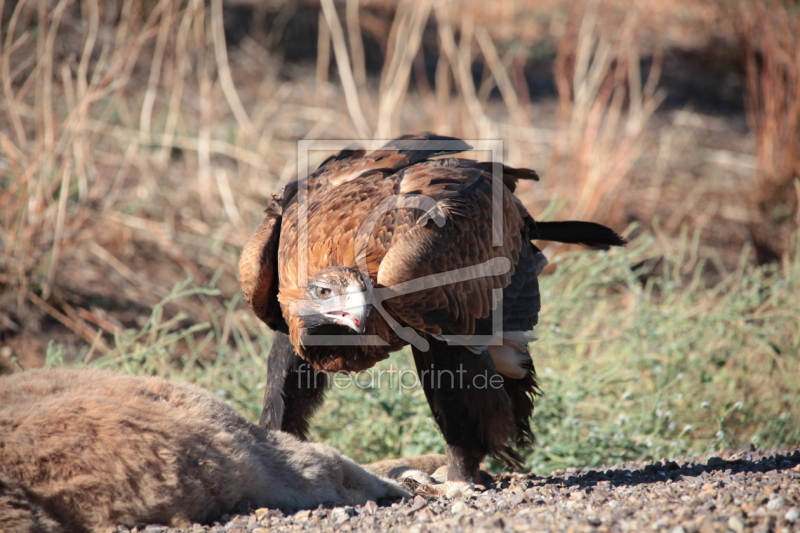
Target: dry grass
[(603, 111), (117, 182), (772, 37)]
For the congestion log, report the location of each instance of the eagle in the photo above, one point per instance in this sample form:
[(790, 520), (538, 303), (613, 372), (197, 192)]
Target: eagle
[(407, 245)]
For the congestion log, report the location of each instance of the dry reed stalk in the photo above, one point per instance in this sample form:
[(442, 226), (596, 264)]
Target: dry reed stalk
[(772, 39), (145, 116), (603, 113), (181, 64), (356, 45), (323, 60), (226, 194), (391, 40), (74, 323), (204, 64), (9, 47), (460, 61), (224, 72), (501, 77), (37, 201), (443, 90), (405, 40), (345, 71)]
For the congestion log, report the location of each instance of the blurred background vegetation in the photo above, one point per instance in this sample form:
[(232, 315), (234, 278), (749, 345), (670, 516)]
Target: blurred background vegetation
[(140, 142)]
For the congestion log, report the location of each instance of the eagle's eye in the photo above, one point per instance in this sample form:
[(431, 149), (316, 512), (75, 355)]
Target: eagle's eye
[(321, 292)]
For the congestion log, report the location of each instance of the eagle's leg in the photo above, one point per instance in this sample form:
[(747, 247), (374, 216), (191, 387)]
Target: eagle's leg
[(470, 405), (294, 389)]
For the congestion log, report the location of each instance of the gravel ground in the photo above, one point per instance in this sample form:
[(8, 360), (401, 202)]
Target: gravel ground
[(736, 491)]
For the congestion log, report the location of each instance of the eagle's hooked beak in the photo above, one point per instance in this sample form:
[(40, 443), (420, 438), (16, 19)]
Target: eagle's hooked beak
[(352, 312)]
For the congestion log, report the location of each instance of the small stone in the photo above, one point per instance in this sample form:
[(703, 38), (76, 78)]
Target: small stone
[(736, 524), (340, 515), (594, 521), (712, 525), (302, 515), (532, 494), (261, 530), (419, 503), (459, 508), (498, 523), (371, 507), (577, 495), (678, 529), (748, 508), (792, 514), (775, 503), (661, 523)]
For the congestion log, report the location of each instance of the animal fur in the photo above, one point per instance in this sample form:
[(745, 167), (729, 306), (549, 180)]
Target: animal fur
[(89, 450), (428, 463)]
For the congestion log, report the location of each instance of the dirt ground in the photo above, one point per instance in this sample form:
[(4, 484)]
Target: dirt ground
[(740, 491)]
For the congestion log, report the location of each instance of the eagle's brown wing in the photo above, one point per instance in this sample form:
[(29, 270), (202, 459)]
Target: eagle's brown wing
[(339, 196), (446, 274), (258, 268), (399, 249)]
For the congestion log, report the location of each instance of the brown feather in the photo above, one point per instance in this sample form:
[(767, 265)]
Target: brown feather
[(258, 274)]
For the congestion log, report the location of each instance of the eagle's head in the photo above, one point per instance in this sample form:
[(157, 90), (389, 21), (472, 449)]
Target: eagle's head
[(334, 302)]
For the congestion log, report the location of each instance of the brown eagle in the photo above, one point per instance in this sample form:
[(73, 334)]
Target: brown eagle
[(375, 251)]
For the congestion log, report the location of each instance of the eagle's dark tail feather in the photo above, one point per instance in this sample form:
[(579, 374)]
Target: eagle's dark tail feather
[(576, 232)]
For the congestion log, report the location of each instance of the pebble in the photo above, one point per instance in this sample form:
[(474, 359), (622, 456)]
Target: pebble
[(371, 507), (302, 515), (340, 515), (775, 503), (459, 508), (735, 524)]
